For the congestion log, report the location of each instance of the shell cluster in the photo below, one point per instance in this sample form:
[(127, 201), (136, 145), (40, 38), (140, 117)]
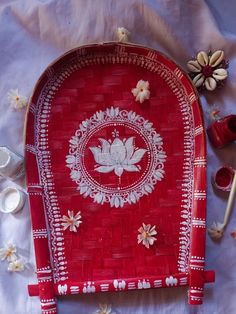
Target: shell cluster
[(208, 70)]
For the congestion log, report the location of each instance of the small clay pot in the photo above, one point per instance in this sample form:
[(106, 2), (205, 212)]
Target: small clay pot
[(223, 178)]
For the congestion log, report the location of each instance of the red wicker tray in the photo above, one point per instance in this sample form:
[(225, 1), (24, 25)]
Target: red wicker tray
[(117, 164)]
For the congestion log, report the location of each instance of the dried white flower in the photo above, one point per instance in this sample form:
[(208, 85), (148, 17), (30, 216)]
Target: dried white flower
[(141, 91), (208, 70), (216, 231), (16, 100), (213, 112), (72, 222), (146, 236), (8, 253), (15, 266), (104, 309), (122, 34)]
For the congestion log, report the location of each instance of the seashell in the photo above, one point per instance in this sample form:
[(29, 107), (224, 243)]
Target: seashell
[(216, 58), (210, 83), (198, 80), (220, 74), (202, 58), (194, 66)]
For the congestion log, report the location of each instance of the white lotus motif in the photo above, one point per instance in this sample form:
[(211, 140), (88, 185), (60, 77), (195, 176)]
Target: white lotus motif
[(118, 155)]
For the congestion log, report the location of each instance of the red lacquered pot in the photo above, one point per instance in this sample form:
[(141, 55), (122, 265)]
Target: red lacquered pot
[(223, 178), (222, 131)]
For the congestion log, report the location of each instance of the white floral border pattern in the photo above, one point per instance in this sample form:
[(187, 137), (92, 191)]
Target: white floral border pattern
[(116, 198)]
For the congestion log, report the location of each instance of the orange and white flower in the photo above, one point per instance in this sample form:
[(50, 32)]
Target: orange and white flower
[(146, 236), (122, 34), (16, 100), (8, 253), (16, 266), (216, 231), (104, 309), (72, 222), (141, 91), (214, 112)]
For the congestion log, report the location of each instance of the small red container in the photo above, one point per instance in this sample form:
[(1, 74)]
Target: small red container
[(223, 178), (222, 131)]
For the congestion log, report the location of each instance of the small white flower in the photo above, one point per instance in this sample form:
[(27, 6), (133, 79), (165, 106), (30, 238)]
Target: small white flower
[(16, 100), (16, 265), (213, 112), (146, 236), (122, 34), (104, 309), (216, 231), (141, 91), (72, 222), (8, 253)]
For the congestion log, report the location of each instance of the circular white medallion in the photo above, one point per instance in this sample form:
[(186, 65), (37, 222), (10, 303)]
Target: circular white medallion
[(116, 157)]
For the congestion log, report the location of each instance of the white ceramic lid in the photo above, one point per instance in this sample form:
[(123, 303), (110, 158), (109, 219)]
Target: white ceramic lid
[(11, 200)]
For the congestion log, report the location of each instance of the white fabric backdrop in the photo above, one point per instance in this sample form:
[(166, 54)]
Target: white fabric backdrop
[(32, 34)]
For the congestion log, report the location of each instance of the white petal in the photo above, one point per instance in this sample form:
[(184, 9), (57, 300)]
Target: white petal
[(152, 232), (198, 80), (146, 243), (102, 156), (220, 74), (202, 58), (146, 227), (117, 202), (194, 66), (135, 91), (159, 174), (142, 84), (210, 83), (71, 214), (152, 229), (96, 153), (216, 58), (105, 169), (145, 94), (75, 174), (73, 228), (148, 188), (105, 146), (151, 240), (137, 156), (140, 229), (119, 170), (77, 216), (139, 238), (130, 168), (70, 159), (12, 257), (132, 198), (118, 151), (129, 147), (98, 198)]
